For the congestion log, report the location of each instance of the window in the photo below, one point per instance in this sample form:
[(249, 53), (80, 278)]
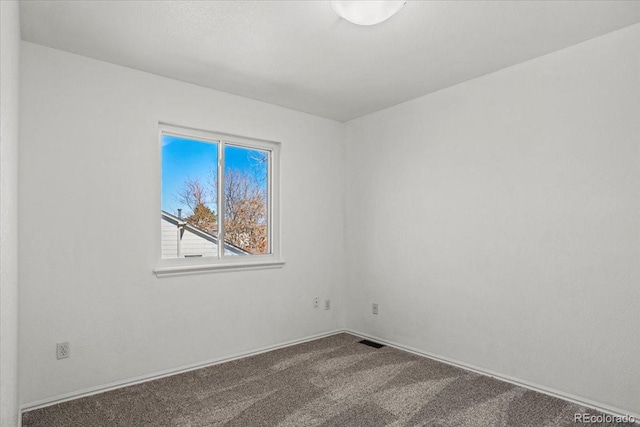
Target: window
[(219, 202)]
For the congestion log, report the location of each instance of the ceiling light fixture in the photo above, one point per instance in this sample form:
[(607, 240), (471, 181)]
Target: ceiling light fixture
[(367, 12)]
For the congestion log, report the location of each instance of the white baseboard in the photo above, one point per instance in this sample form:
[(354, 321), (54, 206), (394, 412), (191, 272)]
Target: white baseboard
[(157, 375), (516, 381), (166, 373)]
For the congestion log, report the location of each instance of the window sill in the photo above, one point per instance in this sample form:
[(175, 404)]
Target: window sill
[(184, 270)]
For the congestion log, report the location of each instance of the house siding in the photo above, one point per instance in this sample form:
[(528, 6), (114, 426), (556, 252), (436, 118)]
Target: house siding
[(192, 244)]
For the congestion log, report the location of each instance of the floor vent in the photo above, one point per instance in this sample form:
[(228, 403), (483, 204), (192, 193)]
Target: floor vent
[(371, 344)]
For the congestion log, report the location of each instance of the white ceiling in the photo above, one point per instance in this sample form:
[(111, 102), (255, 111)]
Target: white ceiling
[(299, 54)]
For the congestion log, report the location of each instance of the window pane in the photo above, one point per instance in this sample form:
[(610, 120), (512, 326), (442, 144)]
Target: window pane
[(246, 198), (189, 198)]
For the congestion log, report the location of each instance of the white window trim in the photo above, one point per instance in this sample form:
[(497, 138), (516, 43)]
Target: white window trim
[(183, 266)]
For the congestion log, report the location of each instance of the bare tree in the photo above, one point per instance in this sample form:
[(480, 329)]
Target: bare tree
[(259, 161), (245, 213), (193, 194)]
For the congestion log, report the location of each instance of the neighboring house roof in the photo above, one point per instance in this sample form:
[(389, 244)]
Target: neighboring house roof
[(202, 233)]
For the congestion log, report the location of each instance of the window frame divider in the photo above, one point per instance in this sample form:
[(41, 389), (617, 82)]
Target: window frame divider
[(167, 267)]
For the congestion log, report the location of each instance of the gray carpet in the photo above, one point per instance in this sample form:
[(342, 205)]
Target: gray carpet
[(332, 381)]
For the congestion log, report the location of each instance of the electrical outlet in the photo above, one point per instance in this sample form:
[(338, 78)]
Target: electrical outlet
[(374, 308), (63, 350), (316, 302), (327, 304)]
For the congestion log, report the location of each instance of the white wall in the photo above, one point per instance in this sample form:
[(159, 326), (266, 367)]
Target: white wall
[(496, 222), (89, 172), (9, 84)]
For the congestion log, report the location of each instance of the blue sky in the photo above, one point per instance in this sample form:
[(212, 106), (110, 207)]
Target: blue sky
[(185, 158)]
